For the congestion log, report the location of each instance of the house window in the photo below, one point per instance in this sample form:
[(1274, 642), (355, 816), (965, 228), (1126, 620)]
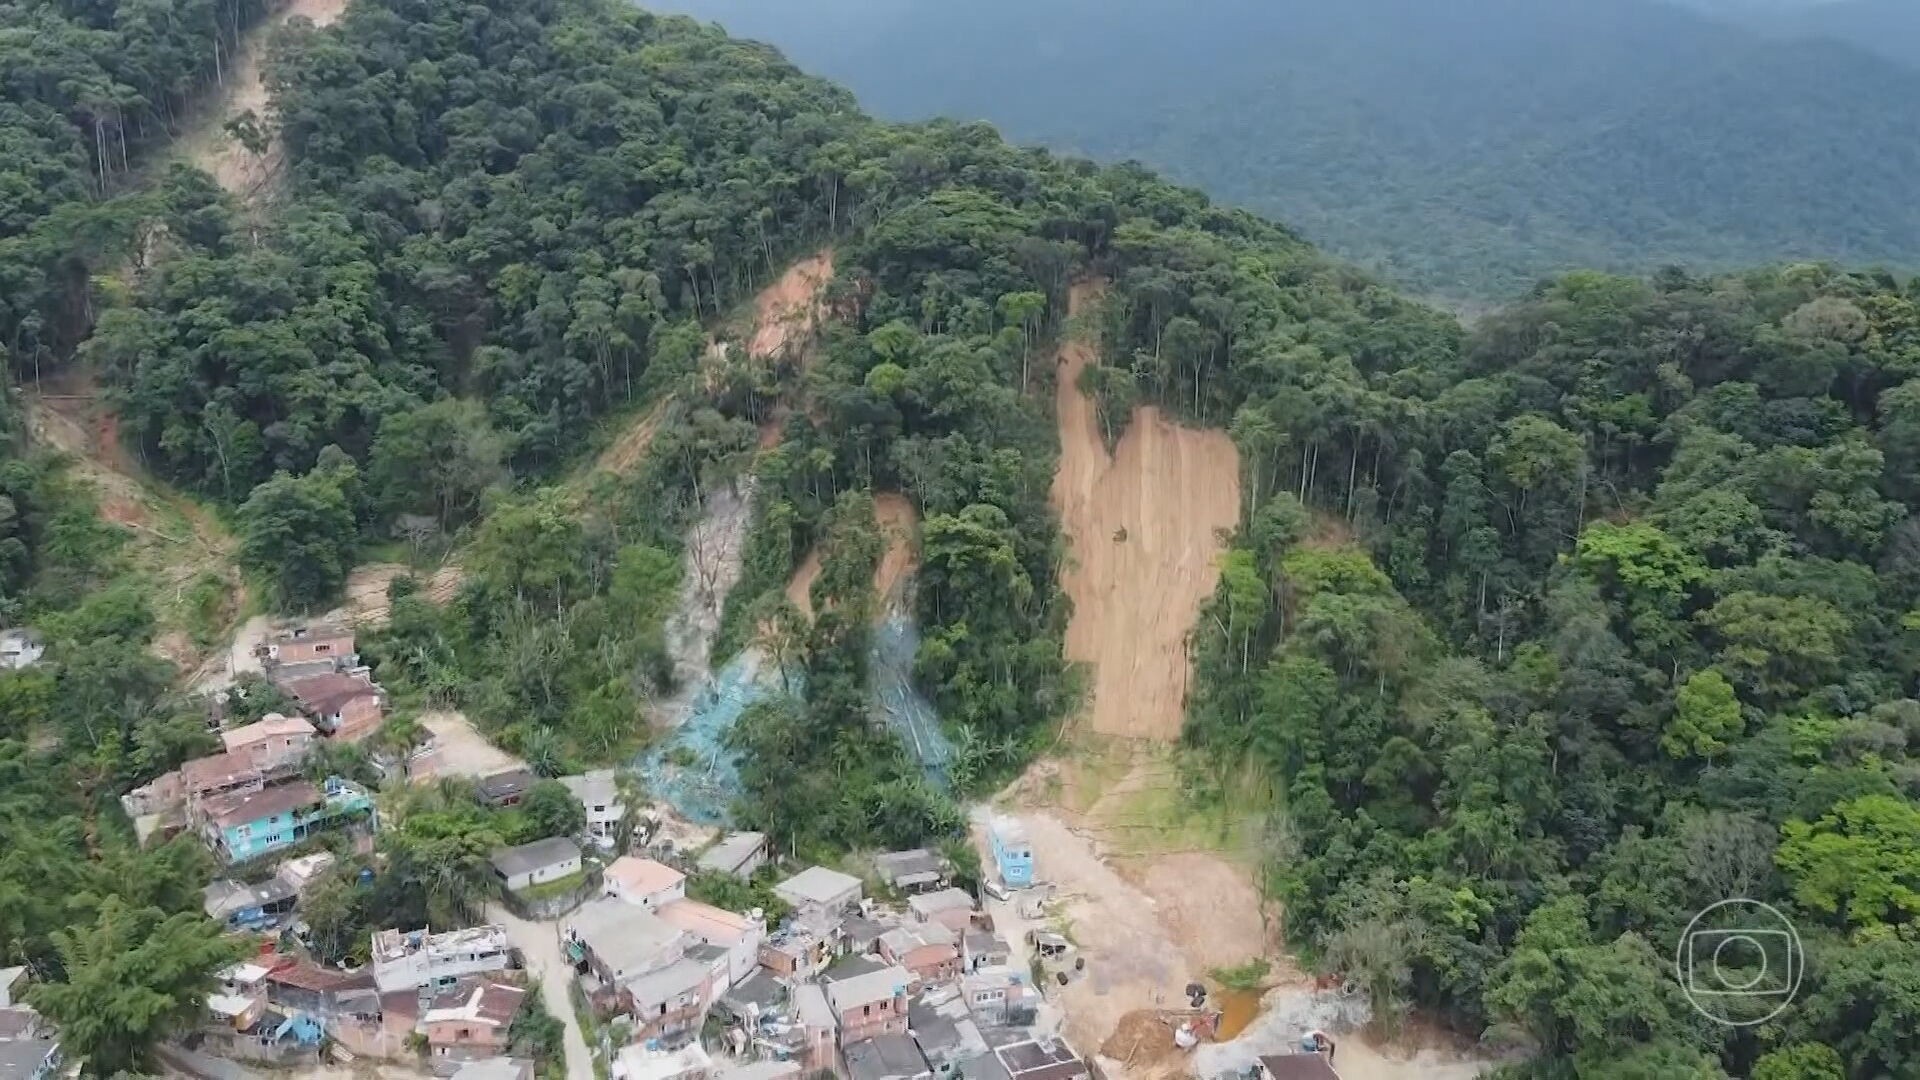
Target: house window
[(466, 1033), (323, 648)]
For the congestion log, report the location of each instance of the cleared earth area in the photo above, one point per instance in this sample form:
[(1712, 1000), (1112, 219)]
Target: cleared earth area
[(1143, 528)]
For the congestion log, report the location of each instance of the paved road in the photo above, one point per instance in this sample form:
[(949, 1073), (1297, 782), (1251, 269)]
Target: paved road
[(539, 944)]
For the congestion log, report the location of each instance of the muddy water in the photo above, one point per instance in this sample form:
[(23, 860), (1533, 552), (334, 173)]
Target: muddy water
[(1237, 1010)]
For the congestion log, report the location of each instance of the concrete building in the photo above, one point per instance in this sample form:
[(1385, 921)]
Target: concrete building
[(952, 908), (915, 871), (886, 1057), (410, 959), (599, 795), (475, 1027), (820, 897), (644, 883), (738, 854), (538, 863), (304, 644), (245, 825), (618, 941), (929, 950), (1012, 852), (740, 935), (871, 1005)]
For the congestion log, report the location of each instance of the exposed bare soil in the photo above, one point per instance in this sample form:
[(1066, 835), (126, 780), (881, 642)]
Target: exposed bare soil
[(1143, 528), (458, 750), (631, 446), (899, 525), (367, 586), (207, 144), (172, 539), (788, 312)]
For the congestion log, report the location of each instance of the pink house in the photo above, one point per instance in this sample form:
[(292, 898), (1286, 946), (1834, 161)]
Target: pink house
[(929, 950), (740, 935), (645, 883), (305, 645), (275, 742), (474, 1028)]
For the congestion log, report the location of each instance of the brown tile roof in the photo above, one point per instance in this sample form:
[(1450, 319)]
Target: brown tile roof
[(324, 694), (500, 1003), (306, 975), (220, 770), (242, 807)]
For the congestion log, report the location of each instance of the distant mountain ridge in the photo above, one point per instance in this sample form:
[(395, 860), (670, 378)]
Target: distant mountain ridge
[(1465, 149)]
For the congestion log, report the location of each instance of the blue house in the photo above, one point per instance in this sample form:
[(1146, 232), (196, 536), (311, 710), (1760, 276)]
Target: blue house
[(1012, 852), (248, 824)]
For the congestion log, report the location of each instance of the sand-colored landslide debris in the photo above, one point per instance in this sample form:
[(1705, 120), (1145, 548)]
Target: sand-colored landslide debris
[(244, 90), (787, 313), (1143, 528), (899, 525)]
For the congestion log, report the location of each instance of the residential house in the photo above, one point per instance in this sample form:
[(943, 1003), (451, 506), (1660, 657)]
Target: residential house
[(861, 933), (538, 863), (999, 996), (1026, 1056), (1299, 1065), (983, 948), (303, 644), (951, 908), (929, 950), (348, 706), (740, 935), (494, 1068), (475, 1027), (274, 743), (820, 897), (1012, 852), (915, 871), (303, 986), (408, 960), (871, 1005), (798, 953), (945, 1031), (644, 883), (886, 1057), (239, 906), (219, 774), (668, 1004), (20, 649), (506, 788), (738, 854), (818, 1029), (248, 824), (599, 795), (617, 941), (13, 986), (241, 1001), (301, 873)]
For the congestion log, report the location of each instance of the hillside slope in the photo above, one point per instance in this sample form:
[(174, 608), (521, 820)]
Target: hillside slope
[(1463, 149)]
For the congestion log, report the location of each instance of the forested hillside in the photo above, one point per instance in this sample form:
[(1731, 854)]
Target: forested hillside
[(1460, 149), (1547, 633)]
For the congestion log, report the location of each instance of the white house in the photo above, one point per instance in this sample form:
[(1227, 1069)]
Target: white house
[(599, 795), (537, 863), (819, 896), (644, 882), (740, 935), (408, 960)]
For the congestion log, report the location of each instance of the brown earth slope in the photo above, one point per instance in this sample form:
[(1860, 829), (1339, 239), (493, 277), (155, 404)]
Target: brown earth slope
[(1143, 528)]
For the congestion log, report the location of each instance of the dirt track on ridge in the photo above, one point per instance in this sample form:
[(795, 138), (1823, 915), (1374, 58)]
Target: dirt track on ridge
[(1143, 529)]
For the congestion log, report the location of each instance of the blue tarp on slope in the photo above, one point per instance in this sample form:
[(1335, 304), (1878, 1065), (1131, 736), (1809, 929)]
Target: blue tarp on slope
[(895, 641), (704, 787)]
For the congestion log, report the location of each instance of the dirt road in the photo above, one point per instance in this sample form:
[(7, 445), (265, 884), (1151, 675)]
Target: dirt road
[(208, 145), (539, 945), (1144, 935), (1143, 530)]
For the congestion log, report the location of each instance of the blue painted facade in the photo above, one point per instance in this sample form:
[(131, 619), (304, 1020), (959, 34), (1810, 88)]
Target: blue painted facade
[(1012, 853), (339, 800)]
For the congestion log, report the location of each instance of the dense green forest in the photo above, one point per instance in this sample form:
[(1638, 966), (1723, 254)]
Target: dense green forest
[(1463, 149), (1549, 632)]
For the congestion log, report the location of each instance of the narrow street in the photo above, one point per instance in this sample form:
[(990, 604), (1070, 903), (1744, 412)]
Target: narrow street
[(539, 944)]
